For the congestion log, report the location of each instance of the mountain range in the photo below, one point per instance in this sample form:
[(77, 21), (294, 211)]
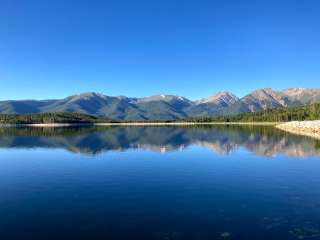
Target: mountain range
[(165, 107)]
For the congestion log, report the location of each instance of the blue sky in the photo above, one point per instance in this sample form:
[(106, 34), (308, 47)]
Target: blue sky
[(194, 48)]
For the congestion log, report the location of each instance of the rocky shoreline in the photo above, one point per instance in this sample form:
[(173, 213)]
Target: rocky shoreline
[(306, 128)]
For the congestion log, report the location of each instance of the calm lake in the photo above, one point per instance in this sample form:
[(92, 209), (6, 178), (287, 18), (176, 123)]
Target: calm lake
[(163, 183)]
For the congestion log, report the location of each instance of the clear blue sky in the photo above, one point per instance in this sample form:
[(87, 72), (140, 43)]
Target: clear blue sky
[(52, 49)]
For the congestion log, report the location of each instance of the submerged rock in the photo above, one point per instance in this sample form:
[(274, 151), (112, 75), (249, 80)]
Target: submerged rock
[(225, 235), (306, 232)]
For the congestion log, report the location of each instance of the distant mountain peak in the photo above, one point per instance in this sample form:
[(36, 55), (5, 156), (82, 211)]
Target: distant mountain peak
[(299, 91), (87, 96), (263, 91), (224, 94), (91, 94), (224, 98), (163, 97), (264, 98)]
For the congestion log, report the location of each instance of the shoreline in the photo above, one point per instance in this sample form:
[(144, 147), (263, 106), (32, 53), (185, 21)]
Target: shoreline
[(139, 124), (302, 128), (184, 123)]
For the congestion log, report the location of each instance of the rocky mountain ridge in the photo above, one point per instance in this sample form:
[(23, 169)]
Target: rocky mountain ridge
[(165, 107)]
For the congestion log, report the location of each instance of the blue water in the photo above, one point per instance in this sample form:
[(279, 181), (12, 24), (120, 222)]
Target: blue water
[(158, 183)]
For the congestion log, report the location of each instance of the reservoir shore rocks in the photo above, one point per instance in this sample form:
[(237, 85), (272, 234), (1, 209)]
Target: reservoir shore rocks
[(306, 128)]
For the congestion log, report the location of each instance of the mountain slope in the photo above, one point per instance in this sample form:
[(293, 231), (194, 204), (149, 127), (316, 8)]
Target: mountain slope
[(23, 106), (222, 99), (267, 98), (213, 105), (166, 107), (163, 107), (98, 105), (302, 95)]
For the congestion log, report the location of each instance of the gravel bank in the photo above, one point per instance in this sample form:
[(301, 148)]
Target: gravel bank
[(307, 128)]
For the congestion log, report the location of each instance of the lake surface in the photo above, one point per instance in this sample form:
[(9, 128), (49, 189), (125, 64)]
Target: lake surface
[(166, 183)]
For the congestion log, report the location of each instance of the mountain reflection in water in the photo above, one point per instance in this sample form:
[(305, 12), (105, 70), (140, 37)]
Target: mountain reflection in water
[(260, 140)]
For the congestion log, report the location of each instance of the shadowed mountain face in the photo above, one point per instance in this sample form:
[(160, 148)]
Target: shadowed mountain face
[(165, 107), (264, 141)]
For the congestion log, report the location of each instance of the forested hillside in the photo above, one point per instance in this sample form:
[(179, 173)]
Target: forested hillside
[(311, 112), (46, 118)]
